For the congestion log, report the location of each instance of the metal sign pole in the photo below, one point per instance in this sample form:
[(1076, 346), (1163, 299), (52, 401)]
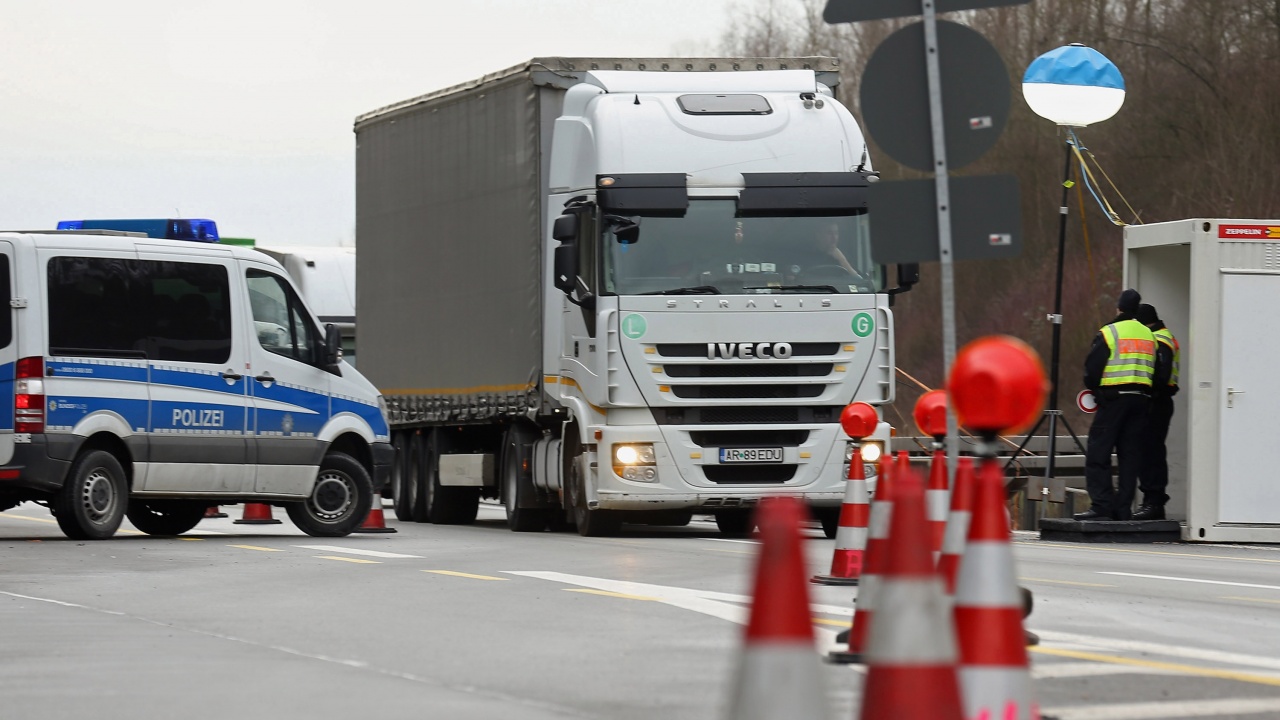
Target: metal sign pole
[(943, 197)]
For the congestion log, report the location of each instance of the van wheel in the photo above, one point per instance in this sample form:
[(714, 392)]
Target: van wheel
[(165, 517), (340, 501), (93, 498), (515, 484), (446, 505)]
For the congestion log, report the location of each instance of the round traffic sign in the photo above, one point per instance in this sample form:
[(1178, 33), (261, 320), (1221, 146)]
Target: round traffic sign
[(1087, 402)]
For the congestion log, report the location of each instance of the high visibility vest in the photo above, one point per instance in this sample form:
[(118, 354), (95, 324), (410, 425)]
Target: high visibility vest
[(1133, 354), (1163, 335)]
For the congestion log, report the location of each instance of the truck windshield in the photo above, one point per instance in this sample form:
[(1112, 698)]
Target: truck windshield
[(710, 251)]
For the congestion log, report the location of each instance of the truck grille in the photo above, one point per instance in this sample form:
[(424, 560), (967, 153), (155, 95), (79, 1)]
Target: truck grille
[(742, 392), (749, 371), (690, 374), (748, 438), (749, 474), (699, 350)]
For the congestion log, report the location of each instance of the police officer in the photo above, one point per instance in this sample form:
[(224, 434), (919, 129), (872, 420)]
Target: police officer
[(1118, 371), (1153, 478)]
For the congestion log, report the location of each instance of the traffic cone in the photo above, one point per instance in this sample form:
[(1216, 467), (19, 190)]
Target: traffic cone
[(935, 499), (778, 674), (256, 514), (957, 524), (851, 536), (911, 648), (213, 511), (995, 679), (877, 538), (376, 522)]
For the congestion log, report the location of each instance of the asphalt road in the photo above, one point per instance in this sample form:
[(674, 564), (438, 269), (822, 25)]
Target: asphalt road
[(246, 622)]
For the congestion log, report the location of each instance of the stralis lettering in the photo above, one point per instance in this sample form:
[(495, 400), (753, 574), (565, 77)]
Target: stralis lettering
[(748, 351), (198, 418)]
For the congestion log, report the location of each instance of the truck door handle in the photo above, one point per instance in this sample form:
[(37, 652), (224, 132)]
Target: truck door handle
[(230, 375), (1231, 396)]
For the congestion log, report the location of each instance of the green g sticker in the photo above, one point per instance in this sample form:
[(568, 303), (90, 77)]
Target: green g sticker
[(633, 326), (863, 324)]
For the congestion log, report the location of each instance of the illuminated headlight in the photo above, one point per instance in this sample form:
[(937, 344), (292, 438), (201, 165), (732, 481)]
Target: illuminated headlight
[(871, 452), (635, 462)]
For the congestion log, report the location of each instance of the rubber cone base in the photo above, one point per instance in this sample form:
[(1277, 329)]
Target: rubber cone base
[(267, 521), (832, 580), (374, 530), (844, 657)]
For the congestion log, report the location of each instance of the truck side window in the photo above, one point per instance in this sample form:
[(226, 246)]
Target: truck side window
[(6, 312), (280, 322)]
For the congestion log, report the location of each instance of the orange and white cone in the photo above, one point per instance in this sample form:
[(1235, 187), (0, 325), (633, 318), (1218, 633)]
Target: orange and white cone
[(957, 524), (936, 497), (376, 522), (851, 535), (911, 650), (213, 511), (995, 679), (256, 514), (779, 675), (877, 539)]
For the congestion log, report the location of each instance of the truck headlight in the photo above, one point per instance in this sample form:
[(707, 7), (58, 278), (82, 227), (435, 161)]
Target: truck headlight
[(634, 461), (871, 451)]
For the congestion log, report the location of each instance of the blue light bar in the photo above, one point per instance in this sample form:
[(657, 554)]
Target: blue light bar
[(195, 230)]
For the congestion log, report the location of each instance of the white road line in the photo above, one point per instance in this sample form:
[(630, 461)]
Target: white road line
[(1192, 580), (1138, 647), (1074, 669), (746, 542), (1162, 710), (355, 551)]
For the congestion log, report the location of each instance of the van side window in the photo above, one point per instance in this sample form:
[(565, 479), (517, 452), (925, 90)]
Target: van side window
[(279, 319), (139, 308), (6, 312)]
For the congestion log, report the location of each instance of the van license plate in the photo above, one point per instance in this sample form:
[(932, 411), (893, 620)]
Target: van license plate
[(751, 455)]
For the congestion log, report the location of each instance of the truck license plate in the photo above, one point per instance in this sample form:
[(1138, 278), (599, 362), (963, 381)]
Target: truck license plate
[(751, 455)]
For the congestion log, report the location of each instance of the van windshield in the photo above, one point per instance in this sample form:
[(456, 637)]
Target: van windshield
[(711, 251)]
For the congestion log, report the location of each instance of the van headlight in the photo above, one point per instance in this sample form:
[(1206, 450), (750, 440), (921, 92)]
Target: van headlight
[(635, 461)]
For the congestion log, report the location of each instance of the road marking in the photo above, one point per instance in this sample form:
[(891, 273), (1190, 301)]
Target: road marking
[(833, 623), (465, 575), (357, 551), (256, 547), (1062, 582), (605, 593), (1249, 599), (1149, 648), (29, 519), (187, 539), (1157, 665), (745, 542), (1053, 671), (1041, 544), (350, 560), (1192, 580), (1162, 710)]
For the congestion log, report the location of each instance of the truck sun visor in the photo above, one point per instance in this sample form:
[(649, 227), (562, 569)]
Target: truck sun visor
[(649, 194), (797, 194)]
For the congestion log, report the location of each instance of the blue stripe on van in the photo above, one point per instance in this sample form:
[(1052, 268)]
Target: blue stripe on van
[(196, 381), (273, 422), (64, 411), (369, 413), (129, 373)]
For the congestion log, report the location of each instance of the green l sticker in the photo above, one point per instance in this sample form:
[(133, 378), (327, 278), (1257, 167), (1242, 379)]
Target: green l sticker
[(633, 326)]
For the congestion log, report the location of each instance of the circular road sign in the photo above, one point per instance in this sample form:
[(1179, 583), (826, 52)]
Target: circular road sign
[(975, 95), (1087, 402)]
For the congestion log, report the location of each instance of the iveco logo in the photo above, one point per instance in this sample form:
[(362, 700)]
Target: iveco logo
[(747, 351)]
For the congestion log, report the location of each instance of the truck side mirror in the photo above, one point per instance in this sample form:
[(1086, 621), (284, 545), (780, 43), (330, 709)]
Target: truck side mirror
[(566, 265), (332, 348), (565, 228), (908, 274)]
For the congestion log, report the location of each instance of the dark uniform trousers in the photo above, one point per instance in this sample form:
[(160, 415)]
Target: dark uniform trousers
[(1119, 424), (1155, 465)]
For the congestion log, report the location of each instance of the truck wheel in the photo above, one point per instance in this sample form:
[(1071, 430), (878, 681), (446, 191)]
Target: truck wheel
[(446, 505), (515, 484), (93, 498), (830, 519), (404, 489), (340, 501), (165, 517), (590, 523), (735, 523)]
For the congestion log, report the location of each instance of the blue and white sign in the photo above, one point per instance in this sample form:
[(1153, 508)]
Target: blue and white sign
[(1073, 85)]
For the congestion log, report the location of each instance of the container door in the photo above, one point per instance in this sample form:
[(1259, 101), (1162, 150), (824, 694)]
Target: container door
[(8, 352), (288, 389), (1248, 491)]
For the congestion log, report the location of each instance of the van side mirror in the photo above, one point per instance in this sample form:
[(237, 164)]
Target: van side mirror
[(332, 348), (565, 228), (566, 266)]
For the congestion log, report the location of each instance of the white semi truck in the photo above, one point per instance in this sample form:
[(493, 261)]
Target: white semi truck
[(622, 290)]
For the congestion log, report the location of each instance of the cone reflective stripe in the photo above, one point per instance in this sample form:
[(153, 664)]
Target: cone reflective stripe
[(995, 679), (851, 535), (935, 498), (256, 514), (911, 650), (957, 524), (376, 521), (779, 675), (877, 539)]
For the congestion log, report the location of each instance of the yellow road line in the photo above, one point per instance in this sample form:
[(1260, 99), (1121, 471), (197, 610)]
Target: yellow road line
[(1249, 599), (187, 539), (1038, 544), (1063, 582), (350, 560), (1154, 665), (606, 593), (833, 623), (28, 519), (462, 574), (256, 547)]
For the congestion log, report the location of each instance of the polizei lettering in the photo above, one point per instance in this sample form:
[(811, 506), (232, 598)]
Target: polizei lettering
[(748, 351), (198, 418)]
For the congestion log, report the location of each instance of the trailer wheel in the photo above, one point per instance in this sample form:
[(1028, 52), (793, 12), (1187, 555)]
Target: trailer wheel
[(166, 517), (445, 505), (339, 502), (404, 489), (515, 484), (93, 498)]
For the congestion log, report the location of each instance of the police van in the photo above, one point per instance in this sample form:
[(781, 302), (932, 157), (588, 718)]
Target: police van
[(147, 376)]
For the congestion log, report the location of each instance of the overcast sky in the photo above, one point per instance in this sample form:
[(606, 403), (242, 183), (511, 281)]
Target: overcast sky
[(241, 110)]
